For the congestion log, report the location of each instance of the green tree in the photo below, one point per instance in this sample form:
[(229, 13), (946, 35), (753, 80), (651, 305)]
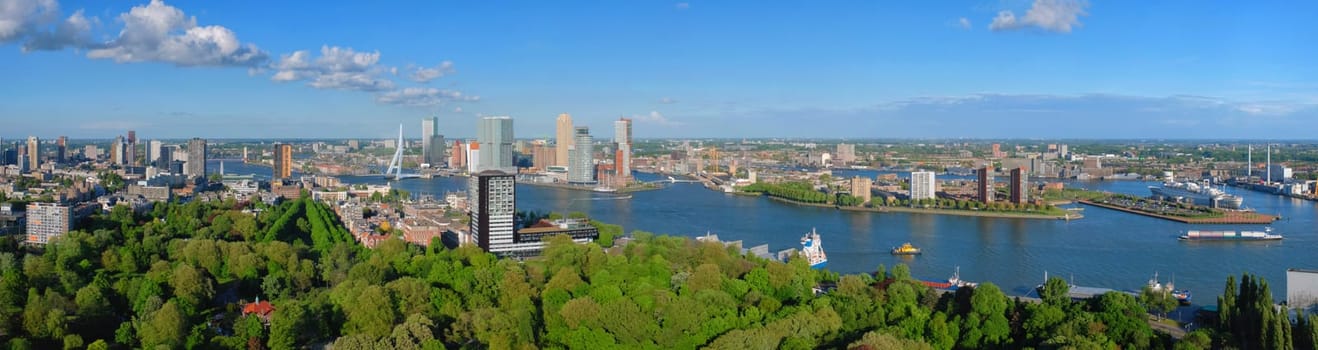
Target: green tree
[(165, 327)]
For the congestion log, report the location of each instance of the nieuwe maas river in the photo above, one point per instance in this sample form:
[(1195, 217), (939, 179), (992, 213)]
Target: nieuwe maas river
[(1105, 249)]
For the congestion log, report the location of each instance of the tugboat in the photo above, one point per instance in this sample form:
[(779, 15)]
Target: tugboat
[(1182, 295), (906, 249), (813, 251)]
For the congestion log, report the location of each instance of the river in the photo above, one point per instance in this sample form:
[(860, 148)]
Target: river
[(1105, 249)]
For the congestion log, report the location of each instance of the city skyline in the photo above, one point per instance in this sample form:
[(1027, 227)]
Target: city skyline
[(1040, 69)]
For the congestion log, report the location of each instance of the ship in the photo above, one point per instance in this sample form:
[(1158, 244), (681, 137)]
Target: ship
[(953, 283), (813, 251), (906, 249), (1199, 194), (1196, 235)]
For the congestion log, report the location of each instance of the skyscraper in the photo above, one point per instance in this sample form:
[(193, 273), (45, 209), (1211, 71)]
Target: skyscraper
[(117, 151), (196, 166), (985, 185), (153, 149), (495, 135), (61, 149), (922, 185), (622, 135), (581, 167), (563, 140), (1019, 186), (491, 205), (846, 153), (428, 129), (458, 158), (283, 161), (131, 148), (33, 153), (437, 149)]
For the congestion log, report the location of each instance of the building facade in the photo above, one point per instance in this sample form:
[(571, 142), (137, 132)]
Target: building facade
[(984, 188), (581, 167), (923, 185), (492, 208), (1020, 189), (428, 126), (130, 149), (117, 151), (45, 221), (846, 153), (495, 135), (283, 161), (435, 158), (622, 137), (196, 165), (33, 153), (563, 139), (860, 188), (62, 149)]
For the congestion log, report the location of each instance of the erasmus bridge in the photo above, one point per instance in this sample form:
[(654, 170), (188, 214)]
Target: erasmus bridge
[(395, 170)]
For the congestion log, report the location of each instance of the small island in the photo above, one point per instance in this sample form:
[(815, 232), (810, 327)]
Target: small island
[(803, 193), (1166, 210)]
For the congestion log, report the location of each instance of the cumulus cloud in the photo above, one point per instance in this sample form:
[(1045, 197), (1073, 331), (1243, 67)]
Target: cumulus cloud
[(336, 68), (423, 97), (1058, 16), (18, 18), (157, 32), (964, 23), (427, 74), (655, 118)]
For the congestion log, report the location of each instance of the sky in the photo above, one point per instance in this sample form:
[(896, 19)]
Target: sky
[(728, 68)]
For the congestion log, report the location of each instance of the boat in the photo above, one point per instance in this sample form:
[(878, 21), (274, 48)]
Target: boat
[(1196, 235), (906, 249), (1197, 193), (605, 189), (953, 283), (1182, 295), (813, 251)]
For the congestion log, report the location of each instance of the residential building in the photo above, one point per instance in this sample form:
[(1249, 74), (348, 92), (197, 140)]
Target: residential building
[(283, 162), (564, 139), (846, 153), (33, 153), (923, 185), (997, 151), (492, 210), (984, 188), (495, 135), (458, 158), (61, 149), (196, 165), (130, 149), (153, 149), (622, 137), (543, 156), (861, 188), (581, 167), (1020, 189), (473, 157), (46, 221)]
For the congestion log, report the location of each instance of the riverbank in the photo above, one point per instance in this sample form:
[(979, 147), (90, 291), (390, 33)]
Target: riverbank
[(588, 188), (1231, 218), (936, 211)]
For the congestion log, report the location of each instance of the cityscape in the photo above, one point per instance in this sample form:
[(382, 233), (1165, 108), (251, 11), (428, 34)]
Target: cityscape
[(441, 219)]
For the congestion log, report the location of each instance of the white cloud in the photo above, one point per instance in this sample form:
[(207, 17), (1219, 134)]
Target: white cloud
[(682, 5), (667, 100), (427, 74), (422, 97), (964, 23), (20, 17), (655, 118), (158, 32), (336, 68), (74, 31), (1058, 16)]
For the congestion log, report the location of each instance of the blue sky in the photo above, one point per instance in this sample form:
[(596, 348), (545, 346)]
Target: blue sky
[(847, 69)]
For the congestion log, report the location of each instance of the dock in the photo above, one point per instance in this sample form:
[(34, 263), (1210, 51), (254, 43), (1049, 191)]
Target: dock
[(1231, 217)]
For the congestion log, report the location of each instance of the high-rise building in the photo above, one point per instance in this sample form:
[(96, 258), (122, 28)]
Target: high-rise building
[(117, 151), (581, 167), (33, 153), (91, 152), (473, 157), (45, 221), (165, 158), (153, 149), (861, 188), (458, 158), (61, 149), (495, 136), (984, 189), (923, 185), (428, 129), (491, 204), (846, 153), (997, 151), (437, 148), (563, 139), (622, 136), (1020, 189), (283, 161), (543, 156), (131, 148), (196, 166)]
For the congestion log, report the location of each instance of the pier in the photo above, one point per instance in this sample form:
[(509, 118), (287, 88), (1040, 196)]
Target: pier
[(1229, 218)]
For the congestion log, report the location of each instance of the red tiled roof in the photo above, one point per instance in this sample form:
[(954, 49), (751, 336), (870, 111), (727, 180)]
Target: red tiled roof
[(262, 308)]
